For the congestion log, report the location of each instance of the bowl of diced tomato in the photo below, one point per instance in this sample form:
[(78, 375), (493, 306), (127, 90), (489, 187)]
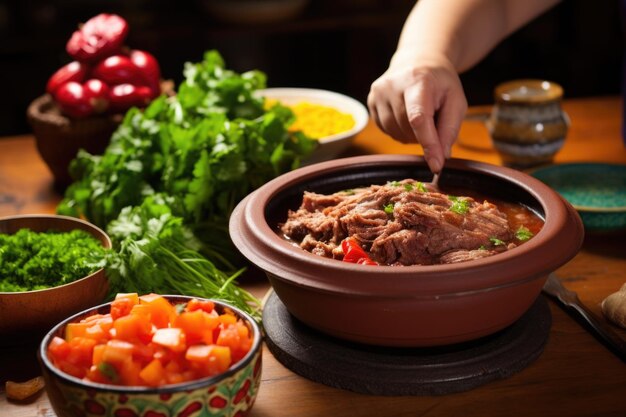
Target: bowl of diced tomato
[(153, 355)]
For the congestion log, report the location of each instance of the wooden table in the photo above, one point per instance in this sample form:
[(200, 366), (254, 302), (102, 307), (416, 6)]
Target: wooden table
[(575, 375)]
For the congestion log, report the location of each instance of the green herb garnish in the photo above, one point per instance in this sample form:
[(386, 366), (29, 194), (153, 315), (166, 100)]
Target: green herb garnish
[(36, 260), (496, 241), (421, 187), (108, 371), (388, 208), (523, 233), (459, 205), (394, 183), (408, 187)]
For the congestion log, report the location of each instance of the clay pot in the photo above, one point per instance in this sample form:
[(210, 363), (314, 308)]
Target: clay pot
[(413, 305)]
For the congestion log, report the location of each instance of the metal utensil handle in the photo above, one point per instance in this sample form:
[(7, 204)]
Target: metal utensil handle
[(612, 340)]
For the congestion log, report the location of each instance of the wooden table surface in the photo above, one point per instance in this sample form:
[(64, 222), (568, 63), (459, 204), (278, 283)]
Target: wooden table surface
[(574, 376)]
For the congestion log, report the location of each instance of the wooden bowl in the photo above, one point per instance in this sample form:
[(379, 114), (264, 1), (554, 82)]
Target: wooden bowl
[(27, 315), (420, 305)]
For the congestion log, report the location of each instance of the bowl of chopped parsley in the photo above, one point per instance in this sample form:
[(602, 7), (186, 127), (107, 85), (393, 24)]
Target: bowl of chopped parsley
[(50, 267)]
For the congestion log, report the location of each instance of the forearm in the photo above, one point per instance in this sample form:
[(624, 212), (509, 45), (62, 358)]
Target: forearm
[(463, 31)]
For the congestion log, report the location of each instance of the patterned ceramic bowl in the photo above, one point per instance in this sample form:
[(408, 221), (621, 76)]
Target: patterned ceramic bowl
[(597, 192), (226, 395)]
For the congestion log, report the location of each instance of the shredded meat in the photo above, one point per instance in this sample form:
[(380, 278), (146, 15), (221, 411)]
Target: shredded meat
[(400, 223)]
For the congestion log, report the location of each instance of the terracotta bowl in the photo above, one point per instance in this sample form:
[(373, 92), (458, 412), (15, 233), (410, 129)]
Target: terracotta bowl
[(229, 394), (27, 315), (413, 305)]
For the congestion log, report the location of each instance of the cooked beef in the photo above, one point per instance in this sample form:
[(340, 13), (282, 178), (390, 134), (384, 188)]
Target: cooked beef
[(399, 223)]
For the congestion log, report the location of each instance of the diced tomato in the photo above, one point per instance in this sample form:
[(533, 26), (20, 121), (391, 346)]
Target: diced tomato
[(146, 341), (172, 338), (153, 373), (204, 305), (58, 348), (117, 351), (122, 304)]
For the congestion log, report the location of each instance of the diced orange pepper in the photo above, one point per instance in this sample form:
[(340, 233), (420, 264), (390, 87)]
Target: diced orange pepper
[(210, 359), (153, 373), (228, 318), (73, 330), (162, 313), (198, 325), (97, 355), (133, 328), (129, 373)]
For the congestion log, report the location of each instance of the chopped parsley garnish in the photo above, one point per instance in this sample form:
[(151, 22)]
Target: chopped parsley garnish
[(395, 183), (420, 186), (459, 205), (32, 260), (408, 187), (523, 233), (496, 241), (109, 371), (388, 208)]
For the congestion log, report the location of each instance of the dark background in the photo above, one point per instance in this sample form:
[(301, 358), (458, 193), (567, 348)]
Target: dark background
[(340, 45)]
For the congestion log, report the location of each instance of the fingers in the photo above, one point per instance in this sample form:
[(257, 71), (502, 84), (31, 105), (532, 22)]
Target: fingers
[(450, 117), (424, 105), (420, 112), (389, 114)]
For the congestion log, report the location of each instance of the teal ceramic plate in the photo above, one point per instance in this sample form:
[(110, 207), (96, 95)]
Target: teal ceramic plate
[(597, 192)]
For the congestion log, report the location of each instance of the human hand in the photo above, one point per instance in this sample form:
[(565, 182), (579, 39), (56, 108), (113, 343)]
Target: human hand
[(420, 100)]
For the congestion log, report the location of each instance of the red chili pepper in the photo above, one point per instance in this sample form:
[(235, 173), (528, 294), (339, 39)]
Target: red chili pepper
[(353, 253), (149, 67), (74, 71), (125, 96), (99, 37), (118, 69)]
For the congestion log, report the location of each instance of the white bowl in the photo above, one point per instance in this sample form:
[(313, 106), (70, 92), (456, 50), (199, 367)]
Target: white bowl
[(330, 146)]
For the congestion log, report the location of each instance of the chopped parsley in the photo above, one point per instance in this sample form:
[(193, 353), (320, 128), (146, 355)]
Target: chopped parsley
[(109, 371), (496, 241), (32, 260), (523, 233), (459, 205), (388, 208), (408, 186)]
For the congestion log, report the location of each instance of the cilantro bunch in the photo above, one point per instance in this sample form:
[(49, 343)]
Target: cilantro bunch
[(205, 148)]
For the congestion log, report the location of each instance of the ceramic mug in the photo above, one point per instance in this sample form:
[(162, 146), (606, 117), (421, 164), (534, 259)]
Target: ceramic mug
[(527, 124)]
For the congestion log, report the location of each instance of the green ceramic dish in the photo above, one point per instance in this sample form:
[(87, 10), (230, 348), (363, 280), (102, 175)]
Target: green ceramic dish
[(597, 192)]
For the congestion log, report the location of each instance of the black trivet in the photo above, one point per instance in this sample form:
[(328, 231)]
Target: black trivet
[(379, 370)]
